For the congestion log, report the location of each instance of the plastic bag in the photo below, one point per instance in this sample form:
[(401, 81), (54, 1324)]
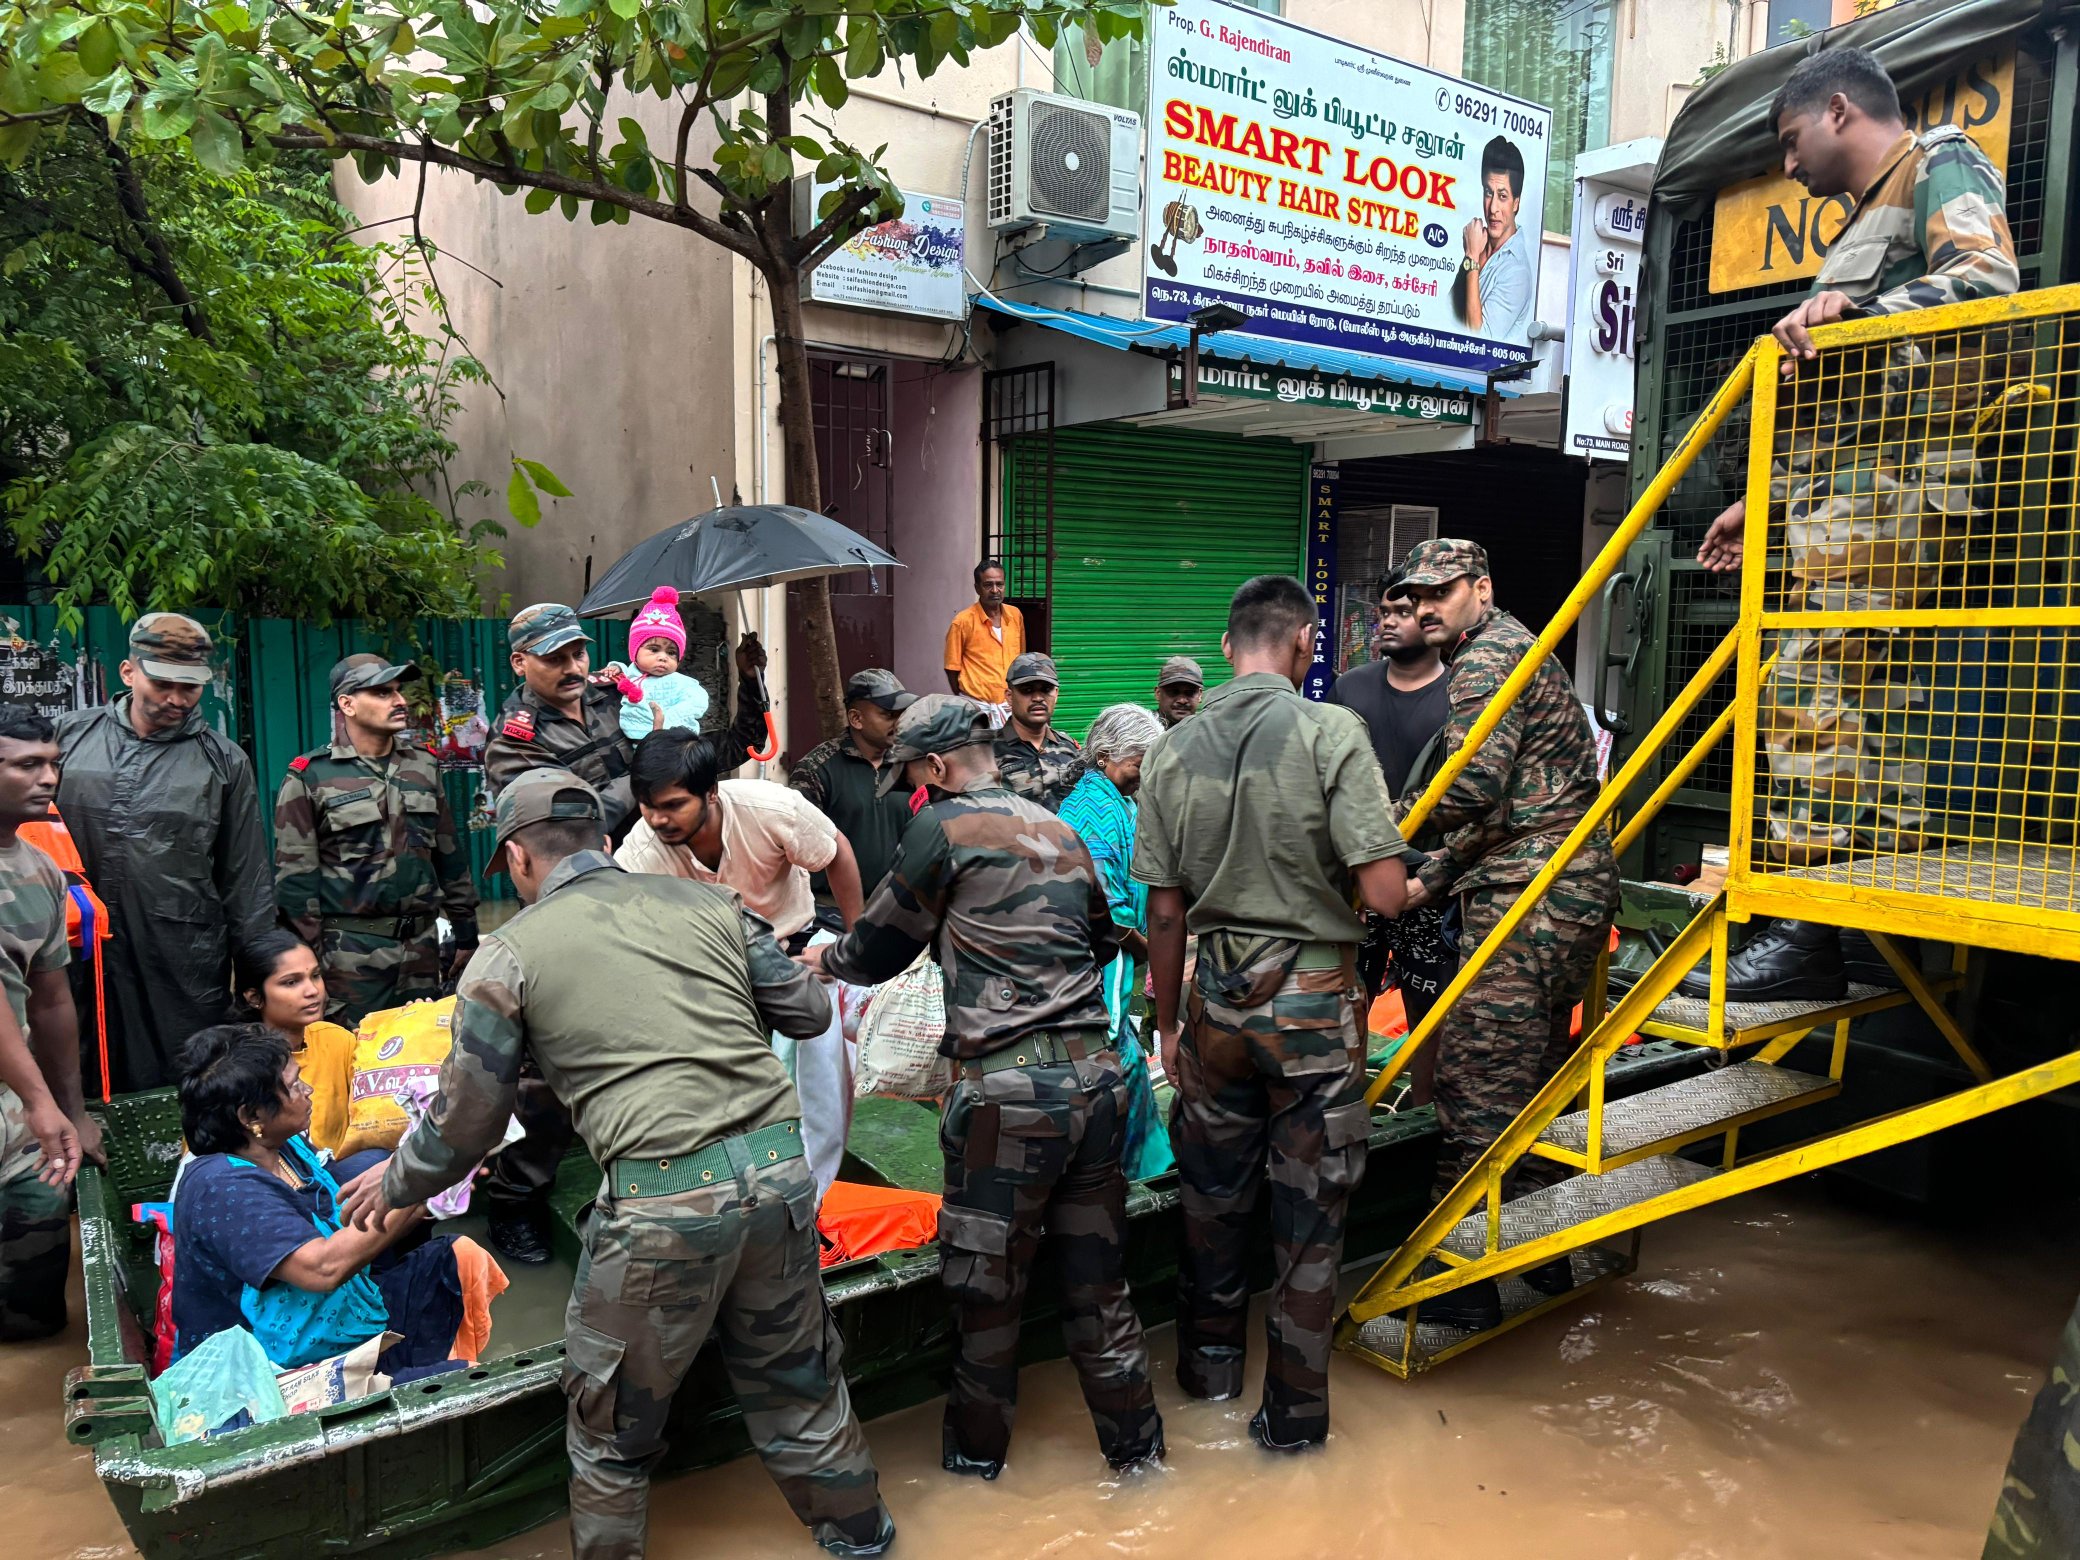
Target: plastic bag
[(415, 1099), (340, 1379), (899, 1038), (390, 1049), (224, 1382)]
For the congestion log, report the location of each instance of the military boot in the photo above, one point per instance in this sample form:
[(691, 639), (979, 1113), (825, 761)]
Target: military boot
[(1787, 961)]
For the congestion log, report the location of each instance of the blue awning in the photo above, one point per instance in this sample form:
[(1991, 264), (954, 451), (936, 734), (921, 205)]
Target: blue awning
[(1237, 346)]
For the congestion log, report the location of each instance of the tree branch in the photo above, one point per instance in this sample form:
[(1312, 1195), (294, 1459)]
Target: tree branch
[(162, 270), (532, 178), (832, 231)]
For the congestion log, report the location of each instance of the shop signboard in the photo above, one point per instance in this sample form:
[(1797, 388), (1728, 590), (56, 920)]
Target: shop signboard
[(910, 264), (1322, 494), (1251, 382), (1610, 225), (1335, 195), (39, 677), (1768, 230)]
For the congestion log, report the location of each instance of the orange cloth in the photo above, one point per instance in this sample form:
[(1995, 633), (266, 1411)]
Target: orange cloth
[(863, 1221), (483, 1281), (974, 651), (1389, 1016), (327, 1064), (55, 841)]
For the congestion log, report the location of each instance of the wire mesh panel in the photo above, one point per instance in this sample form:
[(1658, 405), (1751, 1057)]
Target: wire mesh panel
[(1914, 572)]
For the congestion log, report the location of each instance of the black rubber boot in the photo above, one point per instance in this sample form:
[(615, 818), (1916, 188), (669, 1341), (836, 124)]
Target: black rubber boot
[(1863, 965), (1551, 1278), (1147, 1455), (954, 1460), (869, 1534), (1787, 961), (1476, 1308), (517, 1237), (1260, 1432)]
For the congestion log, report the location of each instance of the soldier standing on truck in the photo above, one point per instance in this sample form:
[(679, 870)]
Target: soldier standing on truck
[(366, 855), (1528, 785), (646, 1002), (1263, 819), (1008, 900), (1874, 497)]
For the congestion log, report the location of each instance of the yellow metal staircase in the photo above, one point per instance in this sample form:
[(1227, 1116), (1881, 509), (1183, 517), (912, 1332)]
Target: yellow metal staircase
[(1984, 583)]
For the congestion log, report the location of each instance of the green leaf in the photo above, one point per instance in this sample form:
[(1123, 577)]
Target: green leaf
[(168, 114), (830, 83), (521, 501), (625, 9), (539, 201), (545, 479), (775, 164), (862, 48), (111, 94), (632, 133)]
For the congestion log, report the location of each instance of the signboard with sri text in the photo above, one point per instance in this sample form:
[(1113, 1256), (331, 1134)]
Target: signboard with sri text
[(1336, 196)]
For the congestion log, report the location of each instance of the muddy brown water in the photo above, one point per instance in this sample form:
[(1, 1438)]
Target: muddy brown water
[(1785, 1378)]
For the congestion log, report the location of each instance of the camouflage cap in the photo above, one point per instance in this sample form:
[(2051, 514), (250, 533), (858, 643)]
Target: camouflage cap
[(876, 685), (1443, 559), (1032, 667), (936, 723), (539, 796), (545, 627), (1180, 669), (170, 647), (358, 673)]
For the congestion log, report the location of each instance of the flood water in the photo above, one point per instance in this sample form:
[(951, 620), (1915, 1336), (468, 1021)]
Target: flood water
[(1785, 1377)]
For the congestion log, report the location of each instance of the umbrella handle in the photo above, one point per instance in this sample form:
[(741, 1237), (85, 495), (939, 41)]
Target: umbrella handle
[(772, 747)]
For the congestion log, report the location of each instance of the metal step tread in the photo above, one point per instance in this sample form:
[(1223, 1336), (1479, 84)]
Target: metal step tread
[(1695, 1013), (1592, 1265), (1575, 1200), (1677, 1108)]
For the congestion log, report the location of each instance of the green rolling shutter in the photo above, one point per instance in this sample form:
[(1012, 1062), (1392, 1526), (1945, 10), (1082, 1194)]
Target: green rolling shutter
[(1153, 530)]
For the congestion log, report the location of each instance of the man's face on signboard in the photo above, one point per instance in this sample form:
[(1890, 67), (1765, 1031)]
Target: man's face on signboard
[(1499, 206)]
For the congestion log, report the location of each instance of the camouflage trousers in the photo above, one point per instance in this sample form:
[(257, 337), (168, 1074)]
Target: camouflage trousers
[(659, 1275), (1271, 1091), (366, 972), (1029, 1151), (1511, 1029), (2038, 1514), (35, 1235)]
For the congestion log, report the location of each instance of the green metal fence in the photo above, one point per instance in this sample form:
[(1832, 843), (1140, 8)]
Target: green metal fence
[(271, 694)]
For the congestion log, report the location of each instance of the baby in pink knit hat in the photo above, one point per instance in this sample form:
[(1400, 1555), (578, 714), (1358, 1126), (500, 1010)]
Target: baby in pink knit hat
[(659, 696)]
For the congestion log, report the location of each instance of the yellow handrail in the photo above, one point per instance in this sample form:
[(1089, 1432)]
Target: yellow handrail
[(1647, 753), (1607, 563)]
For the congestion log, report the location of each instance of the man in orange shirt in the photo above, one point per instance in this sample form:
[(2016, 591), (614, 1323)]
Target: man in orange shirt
[(983, 641)]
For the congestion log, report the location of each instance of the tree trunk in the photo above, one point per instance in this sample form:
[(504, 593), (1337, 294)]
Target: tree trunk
[(808, 601)]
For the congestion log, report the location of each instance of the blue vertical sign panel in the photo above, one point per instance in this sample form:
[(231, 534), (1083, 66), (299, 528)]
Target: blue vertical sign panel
[(1322, 485)]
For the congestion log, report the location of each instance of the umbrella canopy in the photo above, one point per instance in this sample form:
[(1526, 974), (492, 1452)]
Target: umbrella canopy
[(740, 547)]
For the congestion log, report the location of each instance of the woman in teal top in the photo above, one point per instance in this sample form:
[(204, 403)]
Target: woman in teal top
[(1101, 810)]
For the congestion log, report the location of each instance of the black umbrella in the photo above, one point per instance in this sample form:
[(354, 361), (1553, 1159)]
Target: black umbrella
[(741, 547)]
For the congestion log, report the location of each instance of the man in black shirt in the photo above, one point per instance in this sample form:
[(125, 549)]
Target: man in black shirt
[(1404, 700), (841, 778)]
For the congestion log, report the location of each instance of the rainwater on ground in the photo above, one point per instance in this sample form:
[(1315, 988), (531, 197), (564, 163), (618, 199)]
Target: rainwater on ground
[(1786, 1377)]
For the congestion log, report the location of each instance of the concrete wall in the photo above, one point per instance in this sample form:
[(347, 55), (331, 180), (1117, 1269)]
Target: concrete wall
[(1658, 49), (937, 450), (614, 363)]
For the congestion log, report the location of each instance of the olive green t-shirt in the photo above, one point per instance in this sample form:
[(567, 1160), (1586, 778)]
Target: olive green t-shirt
[(1258, 807)]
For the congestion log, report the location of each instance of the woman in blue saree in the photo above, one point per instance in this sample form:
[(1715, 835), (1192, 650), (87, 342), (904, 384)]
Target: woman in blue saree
[(1101, 810)]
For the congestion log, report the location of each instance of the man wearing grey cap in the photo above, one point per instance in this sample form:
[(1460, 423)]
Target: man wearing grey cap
[(1180, 685), (559, 715), (645, 1001), (1036, 761), (367, 856), (167, 819)]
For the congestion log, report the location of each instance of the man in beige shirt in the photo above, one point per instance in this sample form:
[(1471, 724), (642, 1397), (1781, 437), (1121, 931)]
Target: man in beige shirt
[(754, 836)]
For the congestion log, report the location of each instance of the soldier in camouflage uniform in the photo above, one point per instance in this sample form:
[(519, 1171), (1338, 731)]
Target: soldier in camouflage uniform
[(1006, 898), (560, 715), (44, 1128), (2037, 1516), (1493, 831), (1876, 472), (646, 1002), (1262, 819), (1036, 761), (366, 852)]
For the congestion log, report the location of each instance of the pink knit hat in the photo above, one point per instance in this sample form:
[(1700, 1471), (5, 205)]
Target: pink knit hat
[(659, 619)]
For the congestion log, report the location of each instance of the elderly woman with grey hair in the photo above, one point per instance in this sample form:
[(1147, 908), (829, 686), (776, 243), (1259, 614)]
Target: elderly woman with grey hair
[(1101, 809)]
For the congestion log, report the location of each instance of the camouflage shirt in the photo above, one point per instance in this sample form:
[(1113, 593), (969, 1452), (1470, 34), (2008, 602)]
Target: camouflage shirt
[(839, 781), (1932, 229), (646, 1002), (1531, 781), (529, 733), (32, 922), (367, 837), (1043, 774), (1006, 898)]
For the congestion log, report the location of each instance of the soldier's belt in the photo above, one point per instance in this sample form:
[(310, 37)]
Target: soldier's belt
[(718, 1162), (397, 926), (1040, 1048)]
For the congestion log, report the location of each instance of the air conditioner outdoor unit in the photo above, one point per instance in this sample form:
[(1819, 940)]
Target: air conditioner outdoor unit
[(1071, 165)]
